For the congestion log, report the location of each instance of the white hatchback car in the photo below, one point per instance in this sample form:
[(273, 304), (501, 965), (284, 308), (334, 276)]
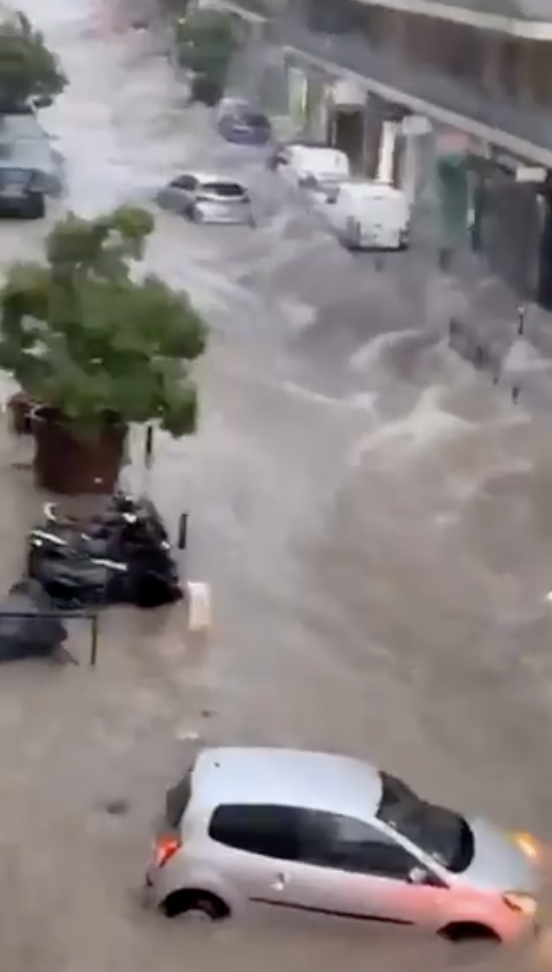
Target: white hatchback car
[(252, 829), (208, 198)]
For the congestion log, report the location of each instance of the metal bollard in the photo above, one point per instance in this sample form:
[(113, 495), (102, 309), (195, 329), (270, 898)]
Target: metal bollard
[(521, 311), (182, 531), (148, 447)]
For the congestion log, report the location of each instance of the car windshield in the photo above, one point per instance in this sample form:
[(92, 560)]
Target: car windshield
[(14, 177), (226, 190), (442, 834), (255, 120)]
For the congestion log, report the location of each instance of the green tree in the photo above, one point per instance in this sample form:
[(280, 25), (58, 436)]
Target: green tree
[(206, 41), (28, 69), (86, 336)]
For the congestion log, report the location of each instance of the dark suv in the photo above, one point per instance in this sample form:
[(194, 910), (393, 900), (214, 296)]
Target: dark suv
[(21, 193)]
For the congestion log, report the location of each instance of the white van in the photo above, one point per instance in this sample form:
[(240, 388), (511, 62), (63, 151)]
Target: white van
[(369, 215), (315, 168)]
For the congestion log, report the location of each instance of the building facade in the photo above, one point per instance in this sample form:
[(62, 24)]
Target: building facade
[(451, 99)]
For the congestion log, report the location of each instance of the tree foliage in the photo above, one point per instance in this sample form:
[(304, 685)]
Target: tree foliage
[(84, 334), (206, 41), (28, 69)]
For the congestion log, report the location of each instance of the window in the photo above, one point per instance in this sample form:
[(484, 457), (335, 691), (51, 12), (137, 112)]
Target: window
[(256, 120), (184, 182), (226, 190), (346, 844), (271, 831), (440, 833)]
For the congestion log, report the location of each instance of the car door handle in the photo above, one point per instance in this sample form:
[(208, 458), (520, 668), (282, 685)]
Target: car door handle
[(279, 882)]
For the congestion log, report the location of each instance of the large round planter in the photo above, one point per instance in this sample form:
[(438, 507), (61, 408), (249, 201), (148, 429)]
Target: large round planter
[(74, 463)]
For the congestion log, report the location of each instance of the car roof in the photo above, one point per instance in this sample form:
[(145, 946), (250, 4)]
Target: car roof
[(287, 777), (235, 102), (22, 126), (371, 188), (211, 177), (305, 143), (321, 160)]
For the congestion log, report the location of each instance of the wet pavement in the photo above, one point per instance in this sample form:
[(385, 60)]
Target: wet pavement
[(375, 520)]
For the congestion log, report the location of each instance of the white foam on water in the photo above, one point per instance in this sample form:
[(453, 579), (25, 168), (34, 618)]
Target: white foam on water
[(426, 425), (372, 354)]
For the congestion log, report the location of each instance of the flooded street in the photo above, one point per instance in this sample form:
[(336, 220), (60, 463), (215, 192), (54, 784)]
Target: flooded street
[(374, 518)]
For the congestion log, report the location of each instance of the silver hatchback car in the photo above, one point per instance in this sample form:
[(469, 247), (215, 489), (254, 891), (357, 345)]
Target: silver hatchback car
[(206, 198), (254, 829)]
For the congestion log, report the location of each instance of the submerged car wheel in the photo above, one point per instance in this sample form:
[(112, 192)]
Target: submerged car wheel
[(195, 906), (352, 235), (36, 208), (404, 240), (468, 931)]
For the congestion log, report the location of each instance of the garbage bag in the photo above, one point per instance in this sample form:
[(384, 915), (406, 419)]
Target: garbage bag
[(26, 630)]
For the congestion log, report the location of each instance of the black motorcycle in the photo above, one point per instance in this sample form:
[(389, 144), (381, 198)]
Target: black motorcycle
[(121, 555)]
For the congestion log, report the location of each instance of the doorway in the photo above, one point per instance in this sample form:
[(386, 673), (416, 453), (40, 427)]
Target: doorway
[(544, 285), (348, 134)]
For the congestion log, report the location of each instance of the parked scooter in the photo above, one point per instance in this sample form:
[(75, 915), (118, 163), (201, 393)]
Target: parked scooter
[(121, 555)]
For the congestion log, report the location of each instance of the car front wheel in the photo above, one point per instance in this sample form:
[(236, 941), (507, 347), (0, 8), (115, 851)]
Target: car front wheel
[(195, 214), (352, 235), (36, 208)]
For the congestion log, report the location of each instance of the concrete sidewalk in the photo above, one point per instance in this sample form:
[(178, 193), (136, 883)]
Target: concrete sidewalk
[(515, 336)]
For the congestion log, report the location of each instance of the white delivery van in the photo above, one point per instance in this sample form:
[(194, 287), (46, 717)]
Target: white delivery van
[(316, 168), (369, 215)]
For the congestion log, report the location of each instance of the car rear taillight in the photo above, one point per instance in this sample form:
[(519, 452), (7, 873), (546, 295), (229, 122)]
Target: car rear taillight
[(165, 848)]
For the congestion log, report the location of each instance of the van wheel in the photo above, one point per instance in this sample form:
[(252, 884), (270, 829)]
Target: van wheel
[(351, 237), (468, 931), (195, 905), (193, 213)]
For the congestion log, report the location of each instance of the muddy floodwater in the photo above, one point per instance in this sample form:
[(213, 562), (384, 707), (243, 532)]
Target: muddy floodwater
[(374, 518)]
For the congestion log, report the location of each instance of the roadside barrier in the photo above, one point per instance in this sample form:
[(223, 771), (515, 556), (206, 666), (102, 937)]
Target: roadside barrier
[(466, 341)]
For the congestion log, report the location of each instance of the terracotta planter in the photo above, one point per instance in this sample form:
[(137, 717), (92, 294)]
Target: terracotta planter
[(72, 463), (20, 407)]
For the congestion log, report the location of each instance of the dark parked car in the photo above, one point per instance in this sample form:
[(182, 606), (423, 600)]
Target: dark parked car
[(21, 193), (242, 123)]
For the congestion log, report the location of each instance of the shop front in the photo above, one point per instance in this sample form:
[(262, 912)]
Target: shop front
[(510, 223), (452, 183)]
